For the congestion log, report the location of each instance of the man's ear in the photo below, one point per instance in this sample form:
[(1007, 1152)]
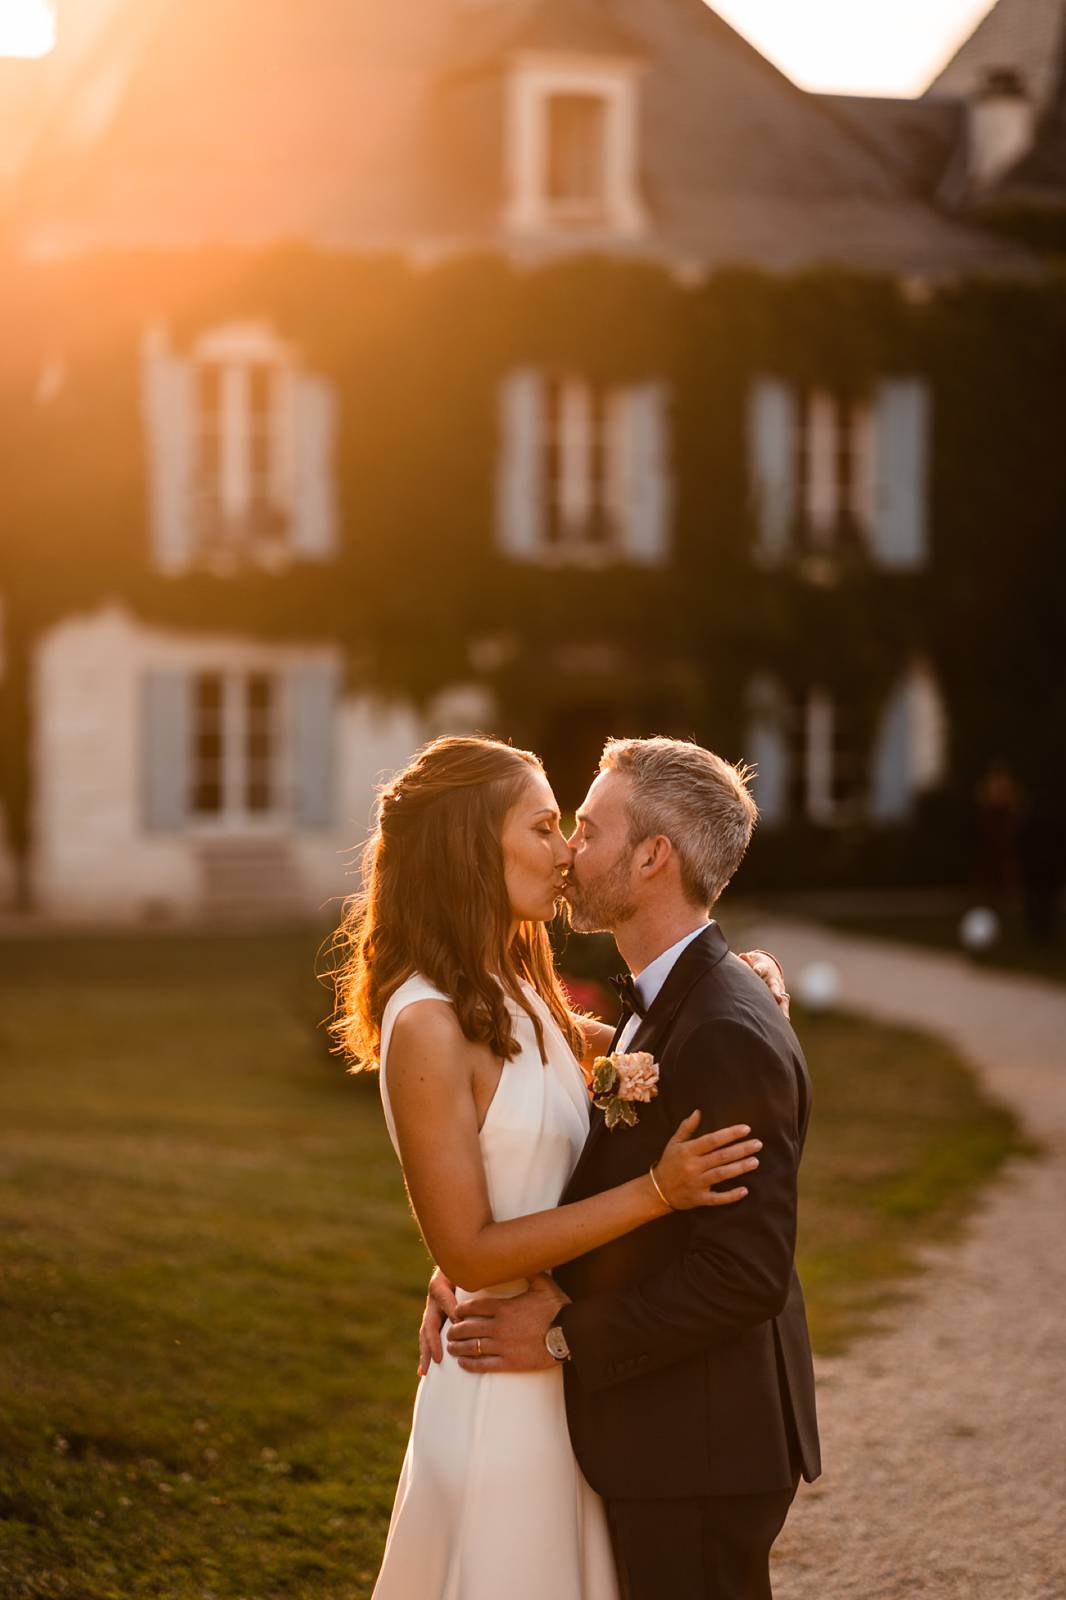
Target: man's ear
[(655, 854)]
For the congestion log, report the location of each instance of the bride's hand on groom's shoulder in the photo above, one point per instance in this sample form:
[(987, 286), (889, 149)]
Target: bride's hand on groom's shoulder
[(440, 1307), (772, 973)]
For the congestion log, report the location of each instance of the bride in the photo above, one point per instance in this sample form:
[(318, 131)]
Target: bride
[(447, 984)]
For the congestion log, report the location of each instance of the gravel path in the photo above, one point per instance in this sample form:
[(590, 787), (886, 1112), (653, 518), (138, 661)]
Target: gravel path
[(945, 1439)]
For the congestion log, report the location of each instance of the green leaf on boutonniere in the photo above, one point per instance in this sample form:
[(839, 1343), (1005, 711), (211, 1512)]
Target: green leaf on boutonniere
[(616, 1111), (604, 1076)]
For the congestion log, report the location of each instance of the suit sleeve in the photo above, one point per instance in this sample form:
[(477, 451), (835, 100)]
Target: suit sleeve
[(736, 1268)]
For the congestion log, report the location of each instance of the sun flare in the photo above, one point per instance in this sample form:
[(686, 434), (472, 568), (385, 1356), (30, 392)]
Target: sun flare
[(841, 45), (27, 27)]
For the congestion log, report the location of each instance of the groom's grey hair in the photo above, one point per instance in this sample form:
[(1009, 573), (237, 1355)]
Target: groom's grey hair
[(700, 802)]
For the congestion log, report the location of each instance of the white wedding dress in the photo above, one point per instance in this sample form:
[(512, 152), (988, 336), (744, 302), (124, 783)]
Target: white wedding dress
[(491, 1504)]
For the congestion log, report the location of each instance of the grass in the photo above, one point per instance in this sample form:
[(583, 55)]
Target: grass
[(210, 1284)]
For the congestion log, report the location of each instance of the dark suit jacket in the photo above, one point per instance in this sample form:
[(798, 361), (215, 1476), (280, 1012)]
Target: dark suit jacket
[(691, 1366)]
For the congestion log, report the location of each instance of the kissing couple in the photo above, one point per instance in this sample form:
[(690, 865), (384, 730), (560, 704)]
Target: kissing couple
[(625, 1402)]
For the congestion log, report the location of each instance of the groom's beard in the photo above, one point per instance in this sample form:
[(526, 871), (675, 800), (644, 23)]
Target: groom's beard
[(605, 904)]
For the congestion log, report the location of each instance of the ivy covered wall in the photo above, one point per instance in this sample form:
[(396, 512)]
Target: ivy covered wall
[(417, 355)]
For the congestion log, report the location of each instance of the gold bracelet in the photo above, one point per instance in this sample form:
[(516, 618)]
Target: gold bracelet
[(658, 1191)]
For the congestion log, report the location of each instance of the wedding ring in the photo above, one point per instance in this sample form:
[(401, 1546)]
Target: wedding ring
[(479, 1347)]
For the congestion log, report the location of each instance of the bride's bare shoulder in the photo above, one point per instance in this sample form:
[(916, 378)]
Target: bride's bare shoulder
[(427, 1036)]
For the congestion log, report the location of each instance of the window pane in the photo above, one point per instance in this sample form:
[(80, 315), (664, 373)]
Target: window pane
[(553, 465), (208, 691), (207, 743), (599, 528), (210, 388), (207, 797), (260, 385), (259, 741), (576, 148)]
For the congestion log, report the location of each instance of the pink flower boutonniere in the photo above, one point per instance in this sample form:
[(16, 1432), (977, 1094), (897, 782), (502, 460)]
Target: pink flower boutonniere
[(620, 1083)]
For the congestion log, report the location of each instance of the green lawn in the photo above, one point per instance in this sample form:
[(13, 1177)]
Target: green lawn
[(210, 1284)]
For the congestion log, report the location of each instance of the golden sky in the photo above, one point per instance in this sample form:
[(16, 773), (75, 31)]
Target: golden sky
[(890, 48), (26, 27)]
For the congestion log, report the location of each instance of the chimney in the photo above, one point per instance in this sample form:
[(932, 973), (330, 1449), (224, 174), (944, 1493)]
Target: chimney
[(1001, 127)]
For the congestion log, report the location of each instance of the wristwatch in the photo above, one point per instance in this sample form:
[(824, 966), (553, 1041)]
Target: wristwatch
[(555, 1339)]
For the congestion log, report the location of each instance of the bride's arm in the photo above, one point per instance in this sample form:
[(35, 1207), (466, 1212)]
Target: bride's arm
[(597, 1036), (431, 1074)]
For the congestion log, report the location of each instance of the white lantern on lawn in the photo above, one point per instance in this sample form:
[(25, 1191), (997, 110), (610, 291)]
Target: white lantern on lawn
[(817, 986), (979, 929)]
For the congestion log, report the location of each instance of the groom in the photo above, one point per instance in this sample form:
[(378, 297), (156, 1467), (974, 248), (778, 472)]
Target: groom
[(689, 1385)]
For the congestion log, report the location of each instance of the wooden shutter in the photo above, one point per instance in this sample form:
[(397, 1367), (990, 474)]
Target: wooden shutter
[(520, 469), (166, 749), (640, 435), (168, 403), (312, 408), (314, 693), (772, 424), (900, 531)]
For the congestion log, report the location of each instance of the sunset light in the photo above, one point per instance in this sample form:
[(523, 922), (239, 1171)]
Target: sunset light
[(27, 27), (836, 45)]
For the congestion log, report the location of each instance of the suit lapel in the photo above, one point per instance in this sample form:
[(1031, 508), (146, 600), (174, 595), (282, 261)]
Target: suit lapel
[(699, 957)]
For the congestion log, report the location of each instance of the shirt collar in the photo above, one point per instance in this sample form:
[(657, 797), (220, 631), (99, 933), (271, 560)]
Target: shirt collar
[(656, 972)]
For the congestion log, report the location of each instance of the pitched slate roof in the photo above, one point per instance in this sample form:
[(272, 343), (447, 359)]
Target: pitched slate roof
[(1024, 35), (915, 137), (589, 26), (357, 124)]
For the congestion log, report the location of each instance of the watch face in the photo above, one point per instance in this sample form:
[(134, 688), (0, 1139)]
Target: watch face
[(555, 1339)]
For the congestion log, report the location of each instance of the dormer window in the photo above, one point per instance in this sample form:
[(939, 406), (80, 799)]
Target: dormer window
[(576, 186), (572, 146), (240, 451)]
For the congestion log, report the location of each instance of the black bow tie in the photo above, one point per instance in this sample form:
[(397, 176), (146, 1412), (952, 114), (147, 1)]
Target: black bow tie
[(630, 998)]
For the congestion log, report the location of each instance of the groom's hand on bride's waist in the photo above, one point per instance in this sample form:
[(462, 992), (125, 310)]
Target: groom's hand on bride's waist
[(490, 1335)]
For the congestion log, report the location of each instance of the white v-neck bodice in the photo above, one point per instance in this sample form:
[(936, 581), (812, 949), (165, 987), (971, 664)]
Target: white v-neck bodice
[(538, 1121)]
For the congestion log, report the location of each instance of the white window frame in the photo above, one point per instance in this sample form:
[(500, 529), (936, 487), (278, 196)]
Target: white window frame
[(814, 747), (234, 816), (826, 433), (535, 80), (235, 349), (579, 496)]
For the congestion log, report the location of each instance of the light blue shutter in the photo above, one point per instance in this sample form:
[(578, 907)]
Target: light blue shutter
[(314, 431), (313, 732), (166, 749), (773, 417), (900, 530), (766, 747), (648, 496), (520, 465), (168, 408), (891, 787), (768, 751)]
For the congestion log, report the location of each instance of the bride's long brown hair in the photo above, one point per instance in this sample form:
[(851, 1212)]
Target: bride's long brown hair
[(434, 901)]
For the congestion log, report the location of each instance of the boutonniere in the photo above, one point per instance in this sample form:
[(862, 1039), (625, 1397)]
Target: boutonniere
[(620, 1083)]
